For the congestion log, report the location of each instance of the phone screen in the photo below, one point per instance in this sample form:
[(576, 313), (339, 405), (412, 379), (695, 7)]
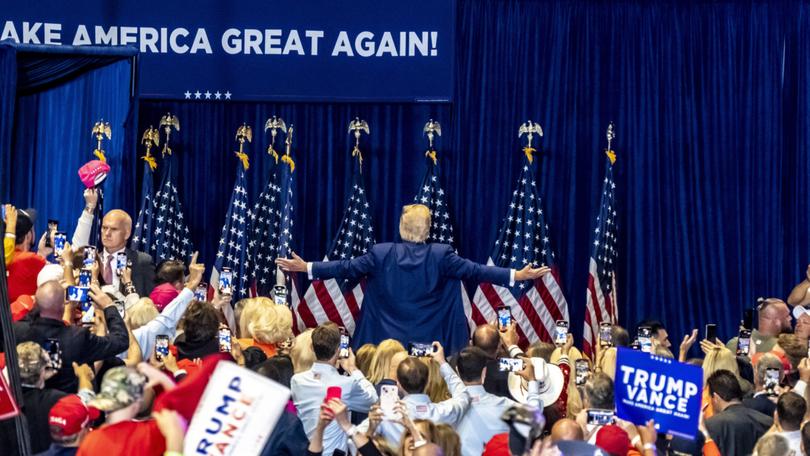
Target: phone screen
[(77, 294), (54, 353), (744, 342), (59, 241), (224, 340), (161, 346), (389, 395), (419, 349), (645, 338), (504, 317), (225, 281), (201, 293), (53, 226), (510, 364), (711, 332), (280, 295), (583, 371), (89, 256), (88, 313), (344, 346), (606, 334), (120, 262), (771, 380), (561, 332), (600, 417), (84, 278)]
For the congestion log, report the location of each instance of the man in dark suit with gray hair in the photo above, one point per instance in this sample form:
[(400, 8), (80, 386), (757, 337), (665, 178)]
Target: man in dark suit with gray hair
[(412, 287)]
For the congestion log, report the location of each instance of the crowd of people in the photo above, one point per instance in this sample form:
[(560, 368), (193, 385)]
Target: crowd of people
[(123, 373)]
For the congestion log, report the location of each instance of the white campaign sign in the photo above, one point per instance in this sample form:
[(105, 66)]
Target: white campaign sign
[(236, 414)]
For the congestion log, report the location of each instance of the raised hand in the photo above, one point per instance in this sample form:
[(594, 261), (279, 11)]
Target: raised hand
[(195, 273), (295, 264), (530, 273)]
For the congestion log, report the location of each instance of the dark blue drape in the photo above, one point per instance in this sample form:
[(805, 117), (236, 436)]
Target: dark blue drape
[(710, 102), (50, 96)]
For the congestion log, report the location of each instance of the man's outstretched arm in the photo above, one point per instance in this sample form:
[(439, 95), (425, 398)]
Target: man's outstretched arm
[(461, 268), (353, 269)]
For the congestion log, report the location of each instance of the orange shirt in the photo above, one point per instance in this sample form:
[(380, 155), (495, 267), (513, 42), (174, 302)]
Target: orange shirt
[(268, 349)]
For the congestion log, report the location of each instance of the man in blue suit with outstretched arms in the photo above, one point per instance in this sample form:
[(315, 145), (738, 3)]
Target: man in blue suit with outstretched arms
[(412, 289)]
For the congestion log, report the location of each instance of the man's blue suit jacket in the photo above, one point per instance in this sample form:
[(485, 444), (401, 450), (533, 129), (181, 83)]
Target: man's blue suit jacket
[(413, 292)]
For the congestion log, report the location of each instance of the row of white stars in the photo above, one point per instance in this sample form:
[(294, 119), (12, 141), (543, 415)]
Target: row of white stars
[(207, 95)]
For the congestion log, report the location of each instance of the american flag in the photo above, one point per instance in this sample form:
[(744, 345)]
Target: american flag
[(170, 234), (601, 296), (524, 239), (233, 242), (331, 300), (142, 235), (271, 231)]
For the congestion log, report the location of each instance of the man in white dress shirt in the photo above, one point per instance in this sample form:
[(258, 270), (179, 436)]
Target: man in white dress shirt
[(412, 378), (309, 387), (483, 419)]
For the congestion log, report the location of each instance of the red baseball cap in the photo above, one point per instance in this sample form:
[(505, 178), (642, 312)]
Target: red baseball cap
[(162, 295), (69, 416), (613, 439)]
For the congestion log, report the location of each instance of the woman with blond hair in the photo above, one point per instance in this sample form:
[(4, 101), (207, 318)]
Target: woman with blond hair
[(718, 357), (381, 362), (301, 352), (364, 357), (267, 324), (436, 387)]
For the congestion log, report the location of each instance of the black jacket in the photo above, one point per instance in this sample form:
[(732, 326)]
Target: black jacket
[(762, 404), (736, 429), (77, 344), (143, 272), (36, 405), (496, 382)]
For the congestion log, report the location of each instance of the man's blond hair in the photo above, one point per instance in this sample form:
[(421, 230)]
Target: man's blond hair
[(414, 224)]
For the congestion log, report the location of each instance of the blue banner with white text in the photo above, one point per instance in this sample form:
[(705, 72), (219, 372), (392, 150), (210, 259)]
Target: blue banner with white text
[(662, 389), (307, 50)]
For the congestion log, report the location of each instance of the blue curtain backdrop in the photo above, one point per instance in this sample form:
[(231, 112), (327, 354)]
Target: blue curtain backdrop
[(712, 111), (50, 97)]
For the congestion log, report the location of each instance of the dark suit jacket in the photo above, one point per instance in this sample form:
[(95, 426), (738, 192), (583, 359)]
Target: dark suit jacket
[(143, 272), (736, 429), (496, 381), (77, 344), (413, 292), (761, 404)]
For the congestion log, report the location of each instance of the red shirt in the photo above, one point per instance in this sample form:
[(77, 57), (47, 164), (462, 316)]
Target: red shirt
[(127, 438), (22, 274)]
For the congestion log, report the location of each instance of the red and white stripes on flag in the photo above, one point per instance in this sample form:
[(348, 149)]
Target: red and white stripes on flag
[(601, 300), (326, 300), (524, 239)]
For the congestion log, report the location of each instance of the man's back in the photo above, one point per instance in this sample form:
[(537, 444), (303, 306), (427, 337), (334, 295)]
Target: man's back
[(127, 438), (76, 344), (309, 390), (413, 292), (482, 420), (736, 429), (761, 403)]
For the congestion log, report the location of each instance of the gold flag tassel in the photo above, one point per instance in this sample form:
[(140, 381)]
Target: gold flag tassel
[(243, 133), (101, 129), (151, 138), (530, 129), (431, 129)]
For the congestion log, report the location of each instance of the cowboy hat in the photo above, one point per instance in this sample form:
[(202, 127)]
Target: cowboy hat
[(550, 382)]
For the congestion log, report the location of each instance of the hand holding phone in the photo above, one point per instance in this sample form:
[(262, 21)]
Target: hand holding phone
[(344, 343), (504, 317), (561, 332), (600, 417), (226, 281), (711, 332), (419, 349), (606, 334), (744, 342), (582, 371), (645, 338), (161, 346)]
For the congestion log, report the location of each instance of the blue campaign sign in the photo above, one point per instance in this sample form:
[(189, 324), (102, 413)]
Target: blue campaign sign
[(318, 50), (662, 389)]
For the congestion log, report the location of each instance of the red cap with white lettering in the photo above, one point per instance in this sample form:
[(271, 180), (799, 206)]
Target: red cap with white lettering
[(69, 416)]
